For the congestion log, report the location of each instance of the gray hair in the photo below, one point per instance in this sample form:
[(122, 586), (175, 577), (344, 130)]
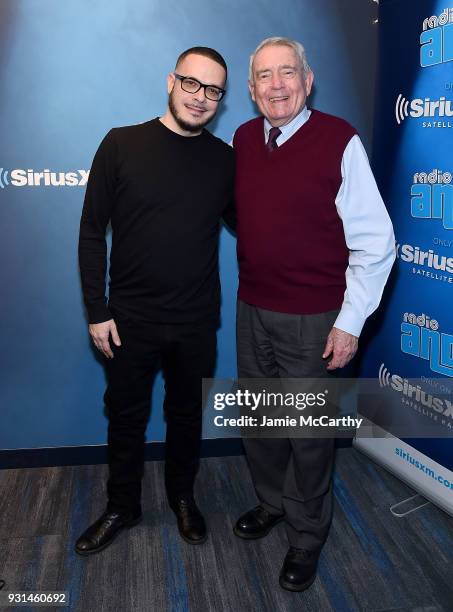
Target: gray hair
[(297, 47)]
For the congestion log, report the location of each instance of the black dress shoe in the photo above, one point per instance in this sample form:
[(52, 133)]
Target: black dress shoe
[(256, 523), (191, 524), (102, 533), (299, 569)]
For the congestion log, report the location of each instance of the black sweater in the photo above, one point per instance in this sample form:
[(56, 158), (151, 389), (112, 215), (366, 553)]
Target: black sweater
[(164, 195)]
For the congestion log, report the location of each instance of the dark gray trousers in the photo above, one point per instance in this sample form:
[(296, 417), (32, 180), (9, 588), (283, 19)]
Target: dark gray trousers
[(291, 476)]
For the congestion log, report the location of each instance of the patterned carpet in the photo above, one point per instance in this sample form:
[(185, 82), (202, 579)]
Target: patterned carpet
[(372, 561)]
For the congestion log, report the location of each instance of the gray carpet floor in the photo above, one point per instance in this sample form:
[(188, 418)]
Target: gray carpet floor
[(372, 561)]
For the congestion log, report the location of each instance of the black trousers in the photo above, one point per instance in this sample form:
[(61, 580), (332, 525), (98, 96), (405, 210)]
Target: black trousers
[(291, 476), (186, 353)]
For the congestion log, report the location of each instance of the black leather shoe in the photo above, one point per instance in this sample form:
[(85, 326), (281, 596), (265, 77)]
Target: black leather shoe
[(299, 569), (191, 524), (256, 523), (102, 533)]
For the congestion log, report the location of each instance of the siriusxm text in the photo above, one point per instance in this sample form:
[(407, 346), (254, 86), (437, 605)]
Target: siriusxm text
[(47, 178)]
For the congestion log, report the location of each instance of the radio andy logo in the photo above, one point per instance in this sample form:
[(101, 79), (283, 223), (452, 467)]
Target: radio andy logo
[(421, 337), (46, 178), (432, 197), (436, 39)]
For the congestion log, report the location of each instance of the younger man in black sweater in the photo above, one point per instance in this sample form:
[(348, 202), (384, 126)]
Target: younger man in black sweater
[(163, 185)]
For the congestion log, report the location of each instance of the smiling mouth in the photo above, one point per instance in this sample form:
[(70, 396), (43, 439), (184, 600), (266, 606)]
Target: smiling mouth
[(195, 109), (278, 98)]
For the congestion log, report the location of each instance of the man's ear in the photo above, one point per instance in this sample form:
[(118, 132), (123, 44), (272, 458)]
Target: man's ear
[(170, 82), (309, 77), (252, 90)]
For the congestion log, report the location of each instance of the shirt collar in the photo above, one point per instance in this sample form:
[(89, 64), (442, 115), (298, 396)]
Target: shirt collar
[(289, 128)]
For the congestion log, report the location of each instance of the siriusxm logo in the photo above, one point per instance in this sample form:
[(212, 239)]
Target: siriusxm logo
[(432, 197), (408, 253), (46, 178), (414, 392), (436, 40), (420, 338), (422, 108)]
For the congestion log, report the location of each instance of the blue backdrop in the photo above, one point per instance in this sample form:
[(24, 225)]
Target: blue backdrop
[(70, 71), (414, 167)]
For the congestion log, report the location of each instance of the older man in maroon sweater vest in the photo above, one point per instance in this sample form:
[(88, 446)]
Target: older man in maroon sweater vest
[(315, 247)]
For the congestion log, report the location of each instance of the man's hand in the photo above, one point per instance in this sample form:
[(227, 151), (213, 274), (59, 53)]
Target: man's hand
[(100, 333), (342, 346)]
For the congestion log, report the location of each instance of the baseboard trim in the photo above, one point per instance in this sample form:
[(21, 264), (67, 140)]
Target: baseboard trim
[(93, 455)]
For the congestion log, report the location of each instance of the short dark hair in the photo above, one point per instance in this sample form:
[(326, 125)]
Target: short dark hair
[(206, 52)]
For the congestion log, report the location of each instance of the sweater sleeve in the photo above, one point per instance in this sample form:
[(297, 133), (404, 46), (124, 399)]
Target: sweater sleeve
[(229, 213), (97, 208)]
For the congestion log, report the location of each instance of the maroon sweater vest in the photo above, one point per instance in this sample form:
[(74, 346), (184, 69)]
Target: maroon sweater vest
[(291, 247)]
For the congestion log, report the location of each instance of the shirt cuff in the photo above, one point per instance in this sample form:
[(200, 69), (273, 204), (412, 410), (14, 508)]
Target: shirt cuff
[(349, 321), (98, 313)]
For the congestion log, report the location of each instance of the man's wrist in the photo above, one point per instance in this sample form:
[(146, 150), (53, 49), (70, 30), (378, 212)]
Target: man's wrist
[(349, 322), (98, 313)]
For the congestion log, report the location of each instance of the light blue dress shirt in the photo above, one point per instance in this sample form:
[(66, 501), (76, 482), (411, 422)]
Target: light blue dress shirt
[(367, 228)]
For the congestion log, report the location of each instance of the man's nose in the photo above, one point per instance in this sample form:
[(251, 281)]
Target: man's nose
[(200, 95), (276, 81)]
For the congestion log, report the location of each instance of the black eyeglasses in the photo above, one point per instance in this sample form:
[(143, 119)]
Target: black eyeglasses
[(191, 85)]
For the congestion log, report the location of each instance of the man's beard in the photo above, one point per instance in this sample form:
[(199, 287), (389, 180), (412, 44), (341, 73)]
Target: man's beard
[(184, 125)]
